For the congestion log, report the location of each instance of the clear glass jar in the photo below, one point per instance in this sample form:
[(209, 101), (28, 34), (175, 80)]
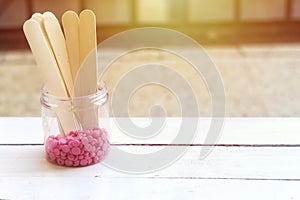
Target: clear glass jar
[(76, 129)]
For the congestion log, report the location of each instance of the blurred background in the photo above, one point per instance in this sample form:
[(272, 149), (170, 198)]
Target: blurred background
[(254, 43)]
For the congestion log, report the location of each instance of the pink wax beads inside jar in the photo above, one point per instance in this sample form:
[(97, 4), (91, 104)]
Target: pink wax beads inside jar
[(76, 129)]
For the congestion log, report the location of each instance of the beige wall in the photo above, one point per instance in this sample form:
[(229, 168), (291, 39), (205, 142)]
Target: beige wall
[(213, 10), (12, 13), (119, 12), (110, 11), (263, 10), (56, 6)]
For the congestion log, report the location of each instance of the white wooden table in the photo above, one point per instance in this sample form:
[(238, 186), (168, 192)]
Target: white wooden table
[(256, 158)]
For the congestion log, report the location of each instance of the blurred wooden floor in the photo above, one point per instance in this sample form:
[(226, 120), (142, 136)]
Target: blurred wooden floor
[(259, 80)]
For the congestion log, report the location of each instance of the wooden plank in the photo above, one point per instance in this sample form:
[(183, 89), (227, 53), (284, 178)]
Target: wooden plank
[(241, 131), (257, 163), (21, 130), (144, 188)]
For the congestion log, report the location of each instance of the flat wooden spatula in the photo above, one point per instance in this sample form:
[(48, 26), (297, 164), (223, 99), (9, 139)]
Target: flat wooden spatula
[(45, 59), (70, 22), (58, 44), (86, 77)]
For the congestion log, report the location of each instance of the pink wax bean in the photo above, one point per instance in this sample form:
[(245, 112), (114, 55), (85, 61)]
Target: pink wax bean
[(75, 151), (95, 130), (76, 143), (51, 137), (90, 138), (100, 153), (60, 161), (82, 152), (105, 146), (104, 133), (71, 144), (88, 147), (62, 141), (50, 141), (95, 141), (71, 157), (96, 134), (73, 133), (54, 144), (65, 148), (96, 159), (63, 154), (51, 156), (83, 162), (68, 163), (85, 141), (100, 142), (75, 158), (87, 158), (56, 152), (76, 163)]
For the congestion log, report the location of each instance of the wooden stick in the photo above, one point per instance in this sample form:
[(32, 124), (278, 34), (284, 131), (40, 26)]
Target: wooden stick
[(70, 22), (86, 78), (88, 53), (58, 44), (45, 59)]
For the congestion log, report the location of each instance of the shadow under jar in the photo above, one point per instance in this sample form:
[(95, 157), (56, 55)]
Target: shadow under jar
[(76, 129)]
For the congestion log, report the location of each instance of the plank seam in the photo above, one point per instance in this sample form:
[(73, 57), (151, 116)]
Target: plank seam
[(191, 145), (211, 178)]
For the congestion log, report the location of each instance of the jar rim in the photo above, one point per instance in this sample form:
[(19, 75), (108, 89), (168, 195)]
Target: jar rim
[(101, 93)]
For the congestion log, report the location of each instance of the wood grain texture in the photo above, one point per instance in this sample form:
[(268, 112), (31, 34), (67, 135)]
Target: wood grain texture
[(253, 163), (236, 131), (70, 22), (230, 172), (137, 188), (58, 44)]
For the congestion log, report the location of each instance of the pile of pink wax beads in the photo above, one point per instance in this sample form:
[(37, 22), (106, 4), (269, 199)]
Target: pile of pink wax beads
[(78, 148)]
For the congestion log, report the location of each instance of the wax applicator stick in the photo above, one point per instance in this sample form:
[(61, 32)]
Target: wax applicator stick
[(86, 78), (37, 17), (58, 44), (70, 22), (88, 54), (45, 59)]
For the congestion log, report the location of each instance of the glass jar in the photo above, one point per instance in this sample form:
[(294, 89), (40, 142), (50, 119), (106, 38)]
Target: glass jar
[(76, 129)]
